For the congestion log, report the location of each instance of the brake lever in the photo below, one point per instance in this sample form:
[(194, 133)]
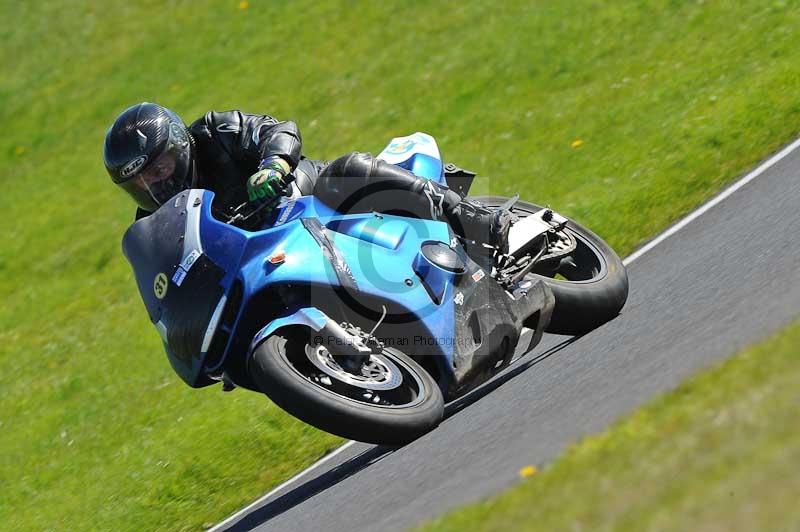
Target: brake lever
[(239, 216)]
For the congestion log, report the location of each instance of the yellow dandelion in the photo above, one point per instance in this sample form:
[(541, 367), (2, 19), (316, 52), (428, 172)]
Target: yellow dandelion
[(577, 143), (528, 471), (243, 4)]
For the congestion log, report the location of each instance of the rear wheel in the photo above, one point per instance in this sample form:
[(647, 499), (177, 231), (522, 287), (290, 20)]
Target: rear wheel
[(388, 399), (590, 284)]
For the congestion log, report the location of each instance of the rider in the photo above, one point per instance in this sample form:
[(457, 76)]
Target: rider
[(152, 156)]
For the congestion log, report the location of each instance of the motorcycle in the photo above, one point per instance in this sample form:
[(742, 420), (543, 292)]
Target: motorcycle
[(363, 324)]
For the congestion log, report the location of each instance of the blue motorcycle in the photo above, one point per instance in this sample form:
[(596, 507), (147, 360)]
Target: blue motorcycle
[(363, 324)]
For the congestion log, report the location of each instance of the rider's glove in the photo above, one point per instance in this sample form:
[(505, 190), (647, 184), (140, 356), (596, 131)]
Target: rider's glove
[(268, 182)]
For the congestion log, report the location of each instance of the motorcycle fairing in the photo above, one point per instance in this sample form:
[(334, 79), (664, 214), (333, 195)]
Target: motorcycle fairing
[(382, 259), (417, 153), (488, 325), (179, 284), (311, 317), (344, 276), (379, 251), (420, 154)]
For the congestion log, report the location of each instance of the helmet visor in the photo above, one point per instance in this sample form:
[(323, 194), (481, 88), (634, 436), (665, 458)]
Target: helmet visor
[(164, 177)]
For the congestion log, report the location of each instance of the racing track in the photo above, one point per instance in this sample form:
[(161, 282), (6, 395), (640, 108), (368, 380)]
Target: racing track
[(727, 276)]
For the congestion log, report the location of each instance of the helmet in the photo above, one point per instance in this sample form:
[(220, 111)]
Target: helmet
[(148, 153)]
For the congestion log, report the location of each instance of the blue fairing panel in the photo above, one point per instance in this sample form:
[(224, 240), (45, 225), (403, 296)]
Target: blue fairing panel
[(418, 153), (427, 166), (309, 317), (374, 230), (379, 250)]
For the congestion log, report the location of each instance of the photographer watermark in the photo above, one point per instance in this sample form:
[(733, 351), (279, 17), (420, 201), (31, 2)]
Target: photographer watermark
[(399, 341)]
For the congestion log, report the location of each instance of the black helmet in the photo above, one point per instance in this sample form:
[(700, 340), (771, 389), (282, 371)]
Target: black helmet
[(148, 153)]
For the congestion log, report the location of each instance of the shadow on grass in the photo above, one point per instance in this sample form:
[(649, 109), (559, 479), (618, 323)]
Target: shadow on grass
[(261, 515)]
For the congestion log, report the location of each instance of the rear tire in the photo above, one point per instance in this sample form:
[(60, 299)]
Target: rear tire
[(280, 366), (581, 304)]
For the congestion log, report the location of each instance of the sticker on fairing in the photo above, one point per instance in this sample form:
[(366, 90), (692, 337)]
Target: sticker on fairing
[(459, 299), (477, 276), (287, 210), (180, 275), (184, 267), (190, 259), (402, 146), (160, 285)]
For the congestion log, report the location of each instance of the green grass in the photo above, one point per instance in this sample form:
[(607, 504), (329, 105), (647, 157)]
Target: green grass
[(718, 453), (671, 100)]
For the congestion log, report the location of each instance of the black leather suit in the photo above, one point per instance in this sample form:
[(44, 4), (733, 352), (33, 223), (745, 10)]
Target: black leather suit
[(229, 146)]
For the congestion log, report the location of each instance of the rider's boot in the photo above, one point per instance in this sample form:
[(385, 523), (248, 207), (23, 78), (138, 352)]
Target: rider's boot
[(483, 229), (480, 225)]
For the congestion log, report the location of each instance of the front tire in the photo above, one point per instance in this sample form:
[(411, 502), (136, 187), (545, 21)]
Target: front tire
[(309, 384), (593, 284)]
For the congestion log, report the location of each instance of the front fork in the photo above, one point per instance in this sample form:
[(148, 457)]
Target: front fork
[(347, 345), (350, 346)]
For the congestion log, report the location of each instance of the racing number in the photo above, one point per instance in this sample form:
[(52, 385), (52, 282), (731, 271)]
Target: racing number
[(160, 286)]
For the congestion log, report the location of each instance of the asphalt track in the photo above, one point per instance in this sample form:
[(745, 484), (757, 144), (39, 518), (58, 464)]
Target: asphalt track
[(726, 277)]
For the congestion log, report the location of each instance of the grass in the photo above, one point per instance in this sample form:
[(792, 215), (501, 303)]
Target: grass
[(669, 100), (718, 453)]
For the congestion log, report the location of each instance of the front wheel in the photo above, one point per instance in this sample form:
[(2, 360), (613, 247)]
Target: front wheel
[(590, 285), (389, 399)]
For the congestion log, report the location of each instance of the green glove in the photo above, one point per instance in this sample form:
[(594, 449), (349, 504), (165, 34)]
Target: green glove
[(268, 182), (264, 185)]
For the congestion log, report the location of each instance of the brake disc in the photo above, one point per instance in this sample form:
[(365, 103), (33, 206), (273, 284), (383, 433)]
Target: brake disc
[(378, 373)]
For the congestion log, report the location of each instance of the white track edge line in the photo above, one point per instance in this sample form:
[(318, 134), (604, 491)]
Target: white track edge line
[(689, 218), (760, 169), (282, 485)]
